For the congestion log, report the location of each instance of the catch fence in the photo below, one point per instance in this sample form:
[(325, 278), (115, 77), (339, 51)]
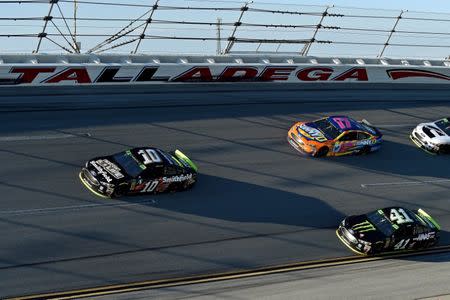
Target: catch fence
[(219, 27)]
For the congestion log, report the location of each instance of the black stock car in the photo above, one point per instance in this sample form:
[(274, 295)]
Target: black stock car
[(138, 171), (388, 229)]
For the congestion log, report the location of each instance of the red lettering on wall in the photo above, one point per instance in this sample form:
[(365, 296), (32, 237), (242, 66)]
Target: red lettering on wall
[(78, 74), (315, 74), (29, 74), (360, 74), (276, 73), (405, 73), (195, 74), (238, 74)]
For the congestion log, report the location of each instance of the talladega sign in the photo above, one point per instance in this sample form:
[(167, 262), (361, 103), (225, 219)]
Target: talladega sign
[(166, 73)]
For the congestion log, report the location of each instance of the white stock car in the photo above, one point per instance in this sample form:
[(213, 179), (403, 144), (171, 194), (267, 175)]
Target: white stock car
[(433, 137)]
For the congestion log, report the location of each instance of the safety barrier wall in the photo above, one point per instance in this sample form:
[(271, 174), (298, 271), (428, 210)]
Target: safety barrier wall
[(90, 70), (128, 80)]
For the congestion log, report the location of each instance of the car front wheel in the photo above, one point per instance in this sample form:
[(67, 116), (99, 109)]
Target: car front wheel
[(321, 152), (120, 191)]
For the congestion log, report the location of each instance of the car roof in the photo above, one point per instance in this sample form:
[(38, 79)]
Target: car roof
[(162, 154), (411, 214), (344, 123)]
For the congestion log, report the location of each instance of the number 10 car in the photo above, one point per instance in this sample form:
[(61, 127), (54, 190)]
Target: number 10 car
[(144, 170)]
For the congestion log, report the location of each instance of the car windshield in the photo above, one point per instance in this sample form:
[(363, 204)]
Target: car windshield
[(381, 222), (128, 163), (444, 125), (327, 128)]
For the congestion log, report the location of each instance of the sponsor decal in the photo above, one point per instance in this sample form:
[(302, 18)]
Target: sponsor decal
[(101, 171), (424, 236), (366, 142), (344, 146), (110, 168), (178, 178), (364, 227), (313, 133)]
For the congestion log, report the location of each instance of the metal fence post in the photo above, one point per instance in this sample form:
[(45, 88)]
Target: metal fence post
[(46, 19), (232, 38), (390, 34), (219, 44), (149, 20), (307, 46)]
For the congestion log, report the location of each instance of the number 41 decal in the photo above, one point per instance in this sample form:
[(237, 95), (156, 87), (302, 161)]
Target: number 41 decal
[(402, 244), (399, 216)]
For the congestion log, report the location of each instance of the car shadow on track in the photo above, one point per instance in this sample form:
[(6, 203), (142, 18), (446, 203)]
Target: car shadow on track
[(279, 115), (248, 205), (402, 159), (236, 201)]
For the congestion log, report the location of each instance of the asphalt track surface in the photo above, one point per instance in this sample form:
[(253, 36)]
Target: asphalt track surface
[(257, 202), (424, 278)]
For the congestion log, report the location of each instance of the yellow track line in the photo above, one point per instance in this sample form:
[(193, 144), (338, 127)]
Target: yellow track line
[(153, 284)]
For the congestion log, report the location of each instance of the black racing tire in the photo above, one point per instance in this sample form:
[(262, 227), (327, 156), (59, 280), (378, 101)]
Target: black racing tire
[(188, 186), (365, 150), (322, 152), (434, 243), (120, 191)]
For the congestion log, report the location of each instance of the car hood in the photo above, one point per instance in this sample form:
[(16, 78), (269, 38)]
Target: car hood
[(363, 229), (311, 132), (106, 169), (432, 132)]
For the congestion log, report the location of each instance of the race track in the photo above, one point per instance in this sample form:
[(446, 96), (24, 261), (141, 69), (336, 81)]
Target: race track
[(257, 202), (416, 278)]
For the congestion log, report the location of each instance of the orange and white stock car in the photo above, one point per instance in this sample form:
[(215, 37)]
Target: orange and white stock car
[(334, 136)]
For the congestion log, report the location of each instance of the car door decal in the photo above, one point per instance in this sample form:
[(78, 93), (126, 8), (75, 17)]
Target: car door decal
[(402, 244)]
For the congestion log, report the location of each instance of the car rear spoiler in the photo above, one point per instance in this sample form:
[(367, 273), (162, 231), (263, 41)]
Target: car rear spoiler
[(180, 155), (428, 218), (367, 123)]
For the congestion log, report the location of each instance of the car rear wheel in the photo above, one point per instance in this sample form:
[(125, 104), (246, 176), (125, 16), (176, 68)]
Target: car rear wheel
[(321, 152), (188, 186)]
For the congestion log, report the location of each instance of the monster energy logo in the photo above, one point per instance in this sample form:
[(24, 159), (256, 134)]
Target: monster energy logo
[(363, 227)]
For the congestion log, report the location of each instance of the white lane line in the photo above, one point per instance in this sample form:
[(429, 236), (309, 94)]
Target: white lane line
[(35, 211), (395, 125), (404, 183), (42, 137)]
